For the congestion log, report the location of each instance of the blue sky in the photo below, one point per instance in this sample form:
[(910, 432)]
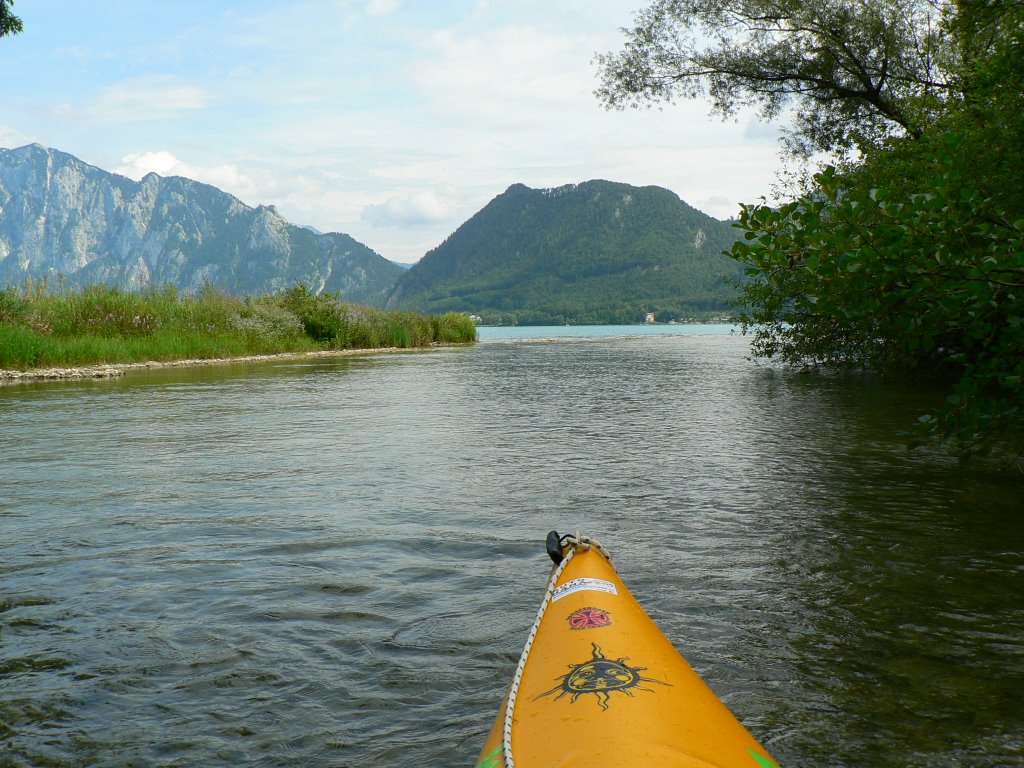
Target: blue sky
[(390, 120)]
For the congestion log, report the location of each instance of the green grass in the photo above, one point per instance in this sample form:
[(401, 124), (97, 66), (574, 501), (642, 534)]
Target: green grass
[(102, 324)]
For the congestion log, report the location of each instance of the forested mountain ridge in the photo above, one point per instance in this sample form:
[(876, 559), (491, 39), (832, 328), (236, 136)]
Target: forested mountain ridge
[(599, 251), (60, 217)]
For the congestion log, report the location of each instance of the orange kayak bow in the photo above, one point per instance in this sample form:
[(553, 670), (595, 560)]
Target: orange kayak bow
[(599, 685)]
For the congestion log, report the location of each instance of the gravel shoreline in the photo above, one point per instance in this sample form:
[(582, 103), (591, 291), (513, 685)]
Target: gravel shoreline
[(113, 370)]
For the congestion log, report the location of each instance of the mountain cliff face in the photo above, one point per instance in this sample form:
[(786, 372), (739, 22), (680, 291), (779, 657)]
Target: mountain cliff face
[(598, 251), (60, 216)]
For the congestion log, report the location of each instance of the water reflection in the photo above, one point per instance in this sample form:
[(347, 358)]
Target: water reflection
[(895, 583), (336, 563)]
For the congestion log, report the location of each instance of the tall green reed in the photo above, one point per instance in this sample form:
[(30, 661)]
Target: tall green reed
[(40, 326)]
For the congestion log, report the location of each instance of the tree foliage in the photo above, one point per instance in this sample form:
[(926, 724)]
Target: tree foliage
[(9, 23), (910, 257), (855, 72), (913, 258), (930, 282)]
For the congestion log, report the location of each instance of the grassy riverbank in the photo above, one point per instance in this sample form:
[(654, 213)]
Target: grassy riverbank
[(101, 324)]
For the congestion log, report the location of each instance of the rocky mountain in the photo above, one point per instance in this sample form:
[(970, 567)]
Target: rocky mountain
[(596, 252), (61, 216)]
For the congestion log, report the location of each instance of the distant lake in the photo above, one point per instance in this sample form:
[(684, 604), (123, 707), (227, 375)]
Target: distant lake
[(523, 332), (335, 562)]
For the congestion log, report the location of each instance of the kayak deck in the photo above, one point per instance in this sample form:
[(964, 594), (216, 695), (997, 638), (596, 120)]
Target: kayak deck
[(599, 685)]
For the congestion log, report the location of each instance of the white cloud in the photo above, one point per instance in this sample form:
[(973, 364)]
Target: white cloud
[(226, 177), (80, 54), (156, 97), (382, 7), (12, 137), (64, 112), (516, 74), (412, 210), (719, 206), (137, 165)]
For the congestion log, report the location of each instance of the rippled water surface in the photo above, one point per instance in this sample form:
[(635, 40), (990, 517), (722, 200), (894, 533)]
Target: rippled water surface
[(335, 563)]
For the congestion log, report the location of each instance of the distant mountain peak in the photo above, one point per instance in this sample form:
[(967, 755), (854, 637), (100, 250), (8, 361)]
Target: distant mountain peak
[(61, 216), (595, 251)]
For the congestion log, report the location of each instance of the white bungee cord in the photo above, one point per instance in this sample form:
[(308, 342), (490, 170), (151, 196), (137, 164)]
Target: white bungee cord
[(576, 541)]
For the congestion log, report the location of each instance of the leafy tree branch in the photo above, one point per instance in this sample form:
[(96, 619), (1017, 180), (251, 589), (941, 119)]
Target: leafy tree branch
[(9, 23), (856, 72)]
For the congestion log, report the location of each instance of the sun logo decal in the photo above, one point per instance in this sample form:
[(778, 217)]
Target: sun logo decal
[(600, 676)]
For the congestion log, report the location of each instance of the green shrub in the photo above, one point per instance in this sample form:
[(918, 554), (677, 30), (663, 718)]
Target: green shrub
[(268, 320), (452, 328), (322, 317)]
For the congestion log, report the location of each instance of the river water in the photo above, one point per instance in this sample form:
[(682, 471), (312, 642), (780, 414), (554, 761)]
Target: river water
[(335, 562)]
